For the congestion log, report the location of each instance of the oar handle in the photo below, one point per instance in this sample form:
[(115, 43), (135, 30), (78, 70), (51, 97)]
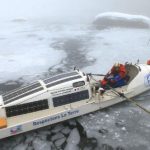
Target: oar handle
[(90, 74)]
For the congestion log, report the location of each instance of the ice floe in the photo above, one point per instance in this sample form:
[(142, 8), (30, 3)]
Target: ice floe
[(59, 142), (21, 147), (73, 140), (57, 136), (115, 19), (39, 144), (66, 130)]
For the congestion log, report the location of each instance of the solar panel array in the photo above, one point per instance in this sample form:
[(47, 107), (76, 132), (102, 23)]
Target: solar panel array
[(25, 91), (61, 78), (62, 81), (58, 77), (36, 87)]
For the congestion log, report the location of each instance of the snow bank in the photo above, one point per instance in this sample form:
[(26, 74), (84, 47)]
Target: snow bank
[(114, 19)]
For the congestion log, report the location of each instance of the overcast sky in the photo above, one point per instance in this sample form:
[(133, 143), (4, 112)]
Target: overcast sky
[(67, 9)]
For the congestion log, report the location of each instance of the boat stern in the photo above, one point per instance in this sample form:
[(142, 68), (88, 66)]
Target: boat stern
[(3, 119)]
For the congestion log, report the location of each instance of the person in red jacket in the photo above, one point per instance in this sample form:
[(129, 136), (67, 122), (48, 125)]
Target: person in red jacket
[(116, 77)]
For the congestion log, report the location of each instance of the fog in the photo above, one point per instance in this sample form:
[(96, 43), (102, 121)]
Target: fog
[(69, 10)]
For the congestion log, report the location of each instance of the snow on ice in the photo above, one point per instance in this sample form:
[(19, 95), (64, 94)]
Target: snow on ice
[(115, 19), (23, 55)]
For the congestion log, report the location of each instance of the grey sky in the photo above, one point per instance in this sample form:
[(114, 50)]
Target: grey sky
[(69, 9)]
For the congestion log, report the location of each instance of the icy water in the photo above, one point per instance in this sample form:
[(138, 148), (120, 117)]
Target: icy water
[(33, 50)]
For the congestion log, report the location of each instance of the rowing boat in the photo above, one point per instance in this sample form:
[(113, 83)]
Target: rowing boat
[(62, 97)]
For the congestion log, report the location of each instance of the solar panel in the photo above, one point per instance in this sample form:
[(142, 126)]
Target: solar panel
[(70, 98), (62, 81), (46, 81), (26, 108), (21, 91), (23, 95), (36, 87)]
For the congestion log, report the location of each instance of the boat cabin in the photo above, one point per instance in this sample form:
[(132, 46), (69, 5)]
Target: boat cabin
[(45, 94)]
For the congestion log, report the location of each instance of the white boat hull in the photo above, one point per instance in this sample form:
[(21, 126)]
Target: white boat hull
[(55, 112), (57, 117)]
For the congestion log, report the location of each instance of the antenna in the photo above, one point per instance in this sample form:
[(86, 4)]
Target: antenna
[(74, 68), (137, 62)]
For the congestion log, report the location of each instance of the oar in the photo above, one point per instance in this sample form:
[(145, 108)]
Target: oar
[(129, 99), (90, 74)]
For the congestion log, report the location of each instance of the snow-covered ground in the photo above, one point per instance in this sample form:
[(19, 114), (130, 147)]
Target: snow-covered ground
[(29, 48)]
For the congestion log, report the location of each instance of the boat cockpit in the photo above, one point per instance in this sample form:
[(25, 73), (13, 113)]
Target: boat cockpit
[(132, 71)]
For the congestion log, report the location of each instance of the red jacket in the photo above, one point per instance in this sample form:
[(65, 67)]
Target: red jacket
[(122, 71)]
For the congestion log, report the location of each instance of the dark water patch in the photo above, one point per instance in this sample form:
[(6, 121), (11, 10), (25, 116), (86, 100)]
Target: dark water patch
[(76, 50)]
